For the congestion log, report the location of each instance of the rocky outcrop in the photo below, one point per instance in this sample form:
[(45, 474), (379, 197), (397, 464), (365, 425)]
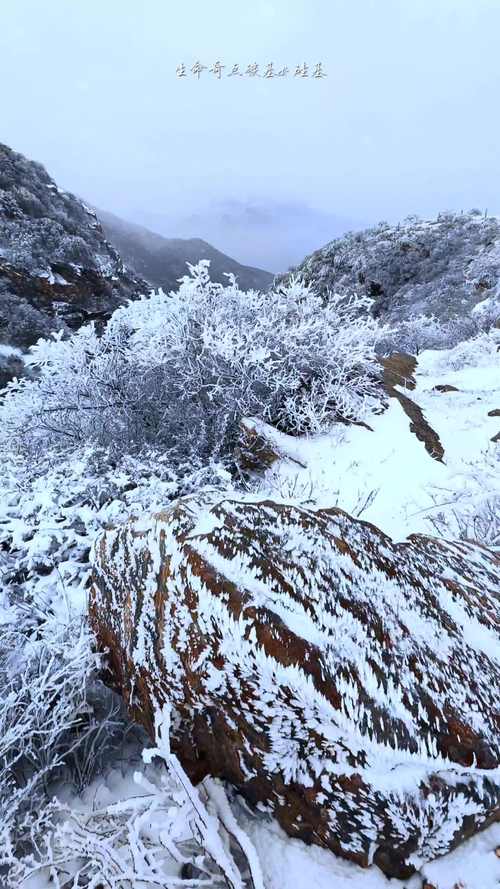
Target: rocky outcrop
[(255, 452), (445, 267), (345, 684), (398, 372), (445, 388), (57, 270)]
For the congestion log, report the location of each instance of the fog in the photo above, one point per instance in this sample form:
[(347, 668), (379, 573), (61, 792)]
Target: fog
[(266, 169)]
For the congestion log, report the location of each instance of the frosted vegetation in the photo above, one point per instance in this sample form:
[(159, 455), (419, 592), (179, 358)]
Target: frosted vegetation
[(108, 426), (440, 269), (40, 220), (178, 372)]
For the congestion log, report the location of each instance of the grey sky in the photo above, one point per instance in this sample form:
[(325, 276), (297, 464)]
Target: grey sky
[(406, 121)]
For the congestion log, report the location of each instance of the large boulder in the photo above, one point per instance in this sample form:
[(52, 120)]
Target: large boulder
[(346, 684)]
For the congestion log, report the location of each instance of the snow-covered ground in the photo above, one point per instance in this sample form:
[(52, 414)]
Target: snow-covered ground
[(289, 863), (382, 473), (387, 475)]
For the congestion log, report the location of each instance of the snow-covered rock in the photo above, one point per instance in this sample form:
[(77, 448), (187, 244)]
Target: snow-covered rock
[(57, 269), (346, 684)]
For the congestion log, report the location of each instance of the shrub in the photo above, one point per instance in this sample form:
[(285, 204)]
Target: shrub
[(479, 351), (44, 669), (469, 509), (178, 372)]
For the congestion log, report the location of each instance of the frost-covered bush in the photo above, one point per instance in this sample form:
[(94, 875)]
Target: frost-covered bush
[(56, 720), (427, 332), (479, 351), (486, 313), (178, 372), (165, 833), (469, 509), (44, 669), (52, 508), (414, 336)]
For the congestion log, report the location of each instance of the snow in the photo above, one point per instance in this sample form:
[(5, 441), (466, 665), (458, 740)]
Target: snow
[(386, 466), (475, 865), (289, 863), (7, 351), (341, 469), (382, 473)]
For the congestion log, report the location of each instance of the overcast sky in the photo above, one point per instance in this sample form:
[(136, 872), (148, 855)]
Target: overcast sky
[(406, 121)]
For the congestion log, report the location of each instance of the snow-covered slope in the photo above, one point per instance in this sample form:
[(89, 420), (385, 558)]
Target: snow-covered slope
[(384, 474), (410, 489), (48, 524), (442, 267)]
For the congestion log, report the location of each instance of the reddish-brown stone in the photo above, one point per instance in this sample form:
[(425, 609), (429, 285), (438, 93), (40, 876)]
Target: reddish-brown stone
[(348, 684)]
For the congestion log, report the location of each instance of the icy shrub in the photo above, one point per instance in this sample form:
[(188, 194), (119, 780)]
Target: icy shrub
[(52, 508), (178, 372), (479, 351), (44, 669), (414, 336), (470, 508), (57, 722), (166, 834), (427, 332), (486, 313)]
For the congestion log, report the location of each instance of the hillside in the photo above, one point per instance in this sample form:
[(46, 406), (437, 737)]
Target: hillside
[(443, 267), (57, 269), (162, 261), (227, 496)]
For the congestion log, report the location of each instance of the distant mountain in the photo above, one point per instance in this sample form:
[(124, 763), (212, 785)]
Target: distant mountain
[(272, 234), (57, 269), (162, 261), (444, 267)]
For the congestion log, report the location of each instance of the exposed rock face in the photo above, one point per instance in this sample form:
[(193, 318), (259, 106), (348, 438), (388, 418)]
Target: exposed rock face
[(443, 267), (445, 388), (162, 261), (398, 372), (56, 268), (348, 685), (255, 451)]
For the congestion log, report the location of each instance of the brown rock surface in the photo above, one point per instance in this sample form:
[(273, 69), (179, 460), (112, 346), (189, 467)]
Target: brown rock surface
[(255, 452), (398, 370), (347, 684)]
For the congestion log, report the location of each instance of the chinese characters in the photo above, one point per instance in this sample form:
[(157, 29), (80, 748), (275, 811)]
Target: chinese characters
[(254, 69)]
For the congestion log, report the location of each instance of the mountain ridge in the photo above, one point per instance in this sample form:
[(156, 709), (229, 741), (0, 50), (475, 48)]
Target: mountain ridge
[(57, 270), (162, 261), (442, 267)]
